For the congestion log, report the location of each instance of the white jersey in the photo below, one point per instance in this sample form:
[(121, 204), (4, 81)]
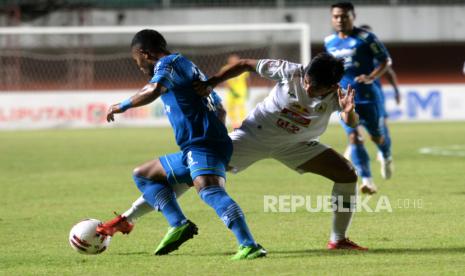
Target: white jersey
[(288, 115)]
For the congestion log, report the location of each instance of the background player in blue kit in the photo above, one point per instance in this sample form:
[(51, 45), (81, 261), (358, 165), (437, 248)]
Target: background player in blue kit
[(202, 138), (391, 77), (359, 49)]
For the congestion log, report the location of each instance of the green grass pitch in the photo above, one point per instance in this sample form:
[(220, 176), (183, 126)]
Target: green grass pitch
[(49, 180)]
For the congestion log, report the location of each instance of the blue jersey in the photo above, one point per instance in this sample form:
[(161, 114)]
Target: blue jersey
[(192, 117), (359, 51)]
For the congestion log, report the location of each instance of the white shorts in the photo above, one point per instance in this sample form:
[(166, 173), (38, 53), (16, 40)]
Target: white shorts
[(248, 148)]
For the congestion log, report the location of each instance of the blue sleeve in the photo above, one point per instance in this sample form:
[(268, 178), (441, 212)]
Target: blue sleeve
[(377, 48), (163, 73)]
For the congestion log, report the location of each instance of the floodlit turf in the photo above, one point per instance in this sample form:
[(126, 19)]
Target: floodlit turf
[(49, 180)]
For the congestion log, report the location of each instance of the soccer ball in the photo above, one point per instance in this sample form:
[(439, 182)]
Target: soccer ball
[(84, 239)]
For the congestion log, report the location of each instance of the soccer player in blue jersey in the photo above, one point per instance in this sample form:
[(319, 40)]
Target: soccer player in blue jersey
[(360, 49), (200, 134), (391, 77)]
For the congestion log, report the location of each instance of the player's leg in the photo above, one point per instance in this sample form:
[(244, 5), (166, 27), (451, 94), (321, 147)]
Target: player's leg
[(248, 149), (153, 184), (379, 133), (208, 172), (170, 171), (140, 207), (334, 166), (359, 155), (167, 168), (155, 176)]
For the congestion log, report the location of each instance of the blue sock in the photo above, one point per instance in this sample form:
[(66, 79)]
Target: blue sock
[(162, 198), (385, 148), (360, 159), (229, 212)]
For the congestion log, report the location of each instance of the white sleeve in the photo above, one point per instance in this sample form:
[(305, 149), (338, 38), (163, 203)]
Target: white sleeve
[(276, 69)]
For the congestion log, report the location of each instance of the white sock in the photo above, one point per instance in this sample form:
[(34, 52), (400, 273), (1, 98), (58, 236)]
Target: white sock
[(341, 220), (367, 181), (139, 208)]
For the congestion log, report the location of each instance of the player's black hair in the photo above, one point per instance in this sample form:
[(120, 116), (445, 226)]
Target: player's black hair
[(149, 40), (325, 70), (345, 6)]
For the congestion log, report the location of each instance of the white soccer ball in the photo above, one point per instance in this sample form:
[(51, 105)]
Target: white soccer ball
[(84, 239)]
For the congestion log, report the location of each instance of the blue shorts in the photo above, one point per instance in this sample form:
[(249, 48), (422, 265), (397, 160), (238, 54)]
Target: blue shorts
[(183, 168), (371, 117)]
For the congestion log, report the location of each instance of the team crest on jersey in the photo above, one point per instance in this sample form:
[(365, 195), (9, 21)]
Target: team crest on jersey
[(321, 107)]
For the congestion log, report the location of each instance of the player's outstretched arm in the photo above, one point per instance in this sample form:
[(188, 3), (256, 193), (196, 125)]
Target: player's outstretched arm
[(346, 102), (229, 71), (146, 95)]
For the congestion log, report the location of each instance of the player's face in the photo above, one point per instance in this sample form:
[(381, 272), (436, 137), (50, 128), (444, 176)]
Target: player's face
[(315, 91), (342, 20), (145, 64)]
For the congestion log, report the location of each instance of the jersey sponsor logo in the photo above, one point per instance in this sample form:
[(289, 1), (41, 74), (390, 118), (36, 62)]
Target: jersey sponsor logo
[(288, 126), (167, 108), (344, 52), (295, 117)]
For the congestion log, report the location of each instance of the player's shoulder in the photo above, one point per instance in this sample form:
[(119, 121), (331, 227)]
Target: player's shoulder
[(364, 34), (164, 63), (170, 59), (330, 38)]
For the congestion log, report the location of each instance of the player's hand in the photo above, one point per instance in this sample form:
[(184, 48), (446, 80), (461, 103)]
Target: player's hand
[(202, 88), (364, 79), (114, 109), (346, 101)]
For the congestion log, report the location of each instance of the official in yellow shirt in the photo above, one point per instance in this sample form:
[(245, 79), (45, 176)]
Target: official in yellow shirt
[(236, 95)]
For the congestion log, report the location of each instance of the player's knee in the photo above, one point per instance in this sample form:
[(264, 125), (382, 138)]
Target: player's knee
[(136, 172), (346, 175), (377, 139), (350, 176), (139, 172), (203, 181)]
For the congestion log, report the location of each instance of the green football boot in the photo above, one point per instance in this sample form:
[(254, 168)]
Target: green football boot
[(175, 237), (249, 252)]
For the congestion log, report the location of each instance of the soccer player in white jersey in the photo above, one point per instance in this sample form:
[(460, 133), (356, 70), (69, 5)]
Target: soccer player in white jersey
[(286, 126)]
